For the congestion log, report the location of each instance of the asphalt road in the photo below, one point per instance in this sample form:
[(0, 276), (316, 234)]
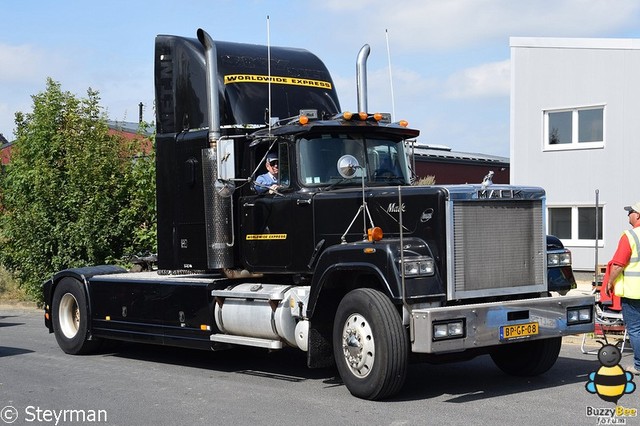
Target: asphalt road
[(144, 385)]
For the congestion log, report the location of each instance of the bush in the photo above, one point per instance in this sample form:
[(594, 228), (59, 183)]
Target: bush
[(73, 194), (9, 288)]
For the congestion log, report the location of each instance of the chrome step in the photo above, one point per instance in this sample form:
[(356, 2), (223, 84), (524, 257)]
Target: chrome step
[(246, 341), (254, 291)]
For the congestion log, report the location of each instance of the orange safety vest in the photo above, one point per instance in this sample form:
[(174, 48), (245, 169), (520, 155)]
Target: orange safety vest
[(628, 282)]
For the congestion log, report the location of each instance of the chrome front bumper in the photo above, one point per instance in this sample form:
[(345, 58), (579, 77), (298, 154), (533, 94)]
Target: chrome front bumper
[(483, 322)]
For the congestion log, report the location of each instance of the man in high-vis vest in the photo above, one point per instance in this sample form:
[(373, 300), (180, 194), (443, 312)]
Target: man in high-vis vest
[(624, 281)]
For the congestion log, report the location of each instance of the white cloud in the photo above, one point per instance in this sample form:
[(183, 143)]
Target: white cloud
[(121, 98), (25, 68), (23, 73), (28, 64), (19, 63), (486, 80), (409, 89), (437, 24)]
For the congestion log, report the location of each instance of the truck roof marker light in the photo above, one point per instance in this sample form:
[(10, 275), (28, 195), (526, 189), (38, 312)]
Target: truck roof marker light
[(303, 119), (377, 116), (374, 234), (347, 115), (363, 116), (403, 123)]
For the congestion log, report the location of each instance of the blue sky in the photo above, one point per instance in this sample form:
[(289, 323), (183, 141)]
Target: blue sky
[(449, 58)]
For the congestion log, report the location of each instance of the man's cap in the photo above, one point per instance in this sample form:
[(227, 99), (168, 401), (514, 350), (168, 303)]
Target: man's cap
[(272, 156), (633, 208)]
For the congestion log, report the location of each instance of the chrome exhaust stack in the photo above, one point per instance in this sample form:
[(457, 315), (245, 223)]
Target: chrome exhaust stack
[(213, 100), (361, 77), (217, 208)]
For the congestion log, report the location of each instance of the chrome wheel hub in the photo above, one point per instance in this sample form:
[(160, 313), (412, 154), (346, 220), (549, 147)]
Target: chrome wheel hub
[(358, 345), (69, 316)]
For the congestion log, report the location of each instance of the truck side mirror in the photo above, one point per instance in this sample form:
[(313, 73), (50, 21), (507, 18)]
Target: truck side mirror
[(224, 188), (347, 166)]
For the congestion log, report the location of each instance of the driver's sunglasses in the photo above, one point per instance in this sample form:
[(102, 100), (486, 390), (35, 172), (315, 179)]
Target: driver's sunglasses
[(273, 163)]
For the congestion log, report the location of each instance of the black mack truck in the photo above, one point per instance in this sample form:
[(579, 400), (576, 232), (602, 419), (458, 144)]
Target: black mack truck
[(343, 259)]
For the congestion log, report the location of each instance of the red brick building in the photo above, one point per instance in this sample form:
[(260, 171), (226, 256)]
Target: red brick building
[(451, 167), (130, 131)]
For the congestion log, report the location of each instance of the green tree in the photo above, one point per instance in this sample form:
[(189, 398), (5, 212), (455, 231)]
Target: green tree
[(73, 194), (138, 217)]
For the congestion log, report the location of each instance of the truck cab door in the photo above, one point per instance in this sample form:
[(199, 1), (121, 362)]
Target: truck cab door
[(276, 230)]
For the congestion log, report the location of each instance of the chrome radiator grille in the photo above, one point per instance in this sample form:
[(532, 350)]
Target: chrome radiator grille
[(499, 248)]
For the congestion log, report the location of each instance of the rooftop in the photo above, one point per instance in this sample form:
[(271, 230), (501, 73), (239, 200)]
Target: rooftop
[(129, 127), (444, 153), (576, 43)]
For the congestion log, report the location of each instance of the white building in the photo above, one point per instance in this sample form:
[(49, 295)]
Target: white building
[(575, 130)]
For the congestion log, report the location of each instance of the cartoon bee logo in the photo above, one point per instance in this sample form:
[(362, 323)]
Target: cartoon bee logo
[(610, 382)]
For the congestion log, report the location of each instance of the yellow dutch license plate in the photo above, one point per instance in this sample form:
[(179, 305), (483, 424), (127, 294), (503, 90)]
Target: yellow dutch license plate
[(518, 331)]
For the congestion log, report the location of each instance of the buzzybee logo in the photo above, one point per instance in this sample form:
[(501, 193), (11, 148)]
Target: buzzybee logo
[(610, 382)]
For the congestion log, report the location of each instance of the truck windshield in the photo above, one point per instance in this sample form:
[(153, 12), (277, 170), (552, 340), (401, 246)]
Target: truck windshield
[(384, 160)]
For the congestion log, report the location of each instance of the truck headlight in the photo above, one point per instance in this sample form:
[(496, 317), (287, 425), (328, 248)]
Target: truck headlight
[(418, 266), (451, 329), (579, 315), (559, 259)]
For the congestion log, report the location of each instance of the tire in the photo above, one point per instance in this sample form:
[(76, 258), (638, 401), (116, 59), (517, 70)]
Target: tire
[(71, 318), (370, 345), (529, 358)]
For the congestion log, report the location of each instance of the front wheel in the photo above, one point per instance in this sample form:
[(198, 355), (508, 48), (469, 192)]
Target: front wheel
[(70, 318), (529, 358), (370, 345)]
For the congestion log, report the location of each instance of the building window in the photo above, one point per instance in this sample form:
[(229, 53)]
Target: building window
[(575, 225), (560, 222), (560, 129), (578, 128)]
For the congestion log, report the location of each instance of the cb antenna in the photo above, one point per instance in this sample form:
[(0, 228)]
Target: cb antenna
[(393, 102), (269, 71)]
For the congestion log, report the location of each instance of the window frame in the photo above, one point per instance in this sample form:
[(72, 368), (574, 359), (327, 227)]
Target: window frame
[(575, 241), (575, 129), (366, 148), (284, 165)]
